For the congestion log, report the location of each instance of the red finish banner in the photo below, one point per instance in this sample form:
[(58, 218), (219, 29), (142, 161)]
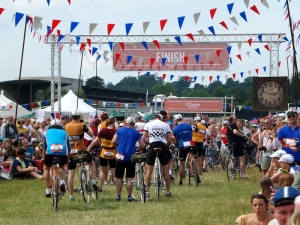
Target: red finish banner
[(188, 57), (192, 105)]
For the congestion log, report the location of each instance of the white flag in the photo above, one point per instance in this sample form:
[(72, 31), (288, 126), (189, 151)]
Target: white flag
[(36, 22), (72, 42), (106, 60), (233, 19), (240, 107), (126, 105), (202, 78), (99, 44), (168, 41), (249, 72), (104, 103), (179, 78), (201, 32), (226, 77), (145, 26), (265, 3), (240, 45), (92, 27), (247, 3), (196, 17), (248, 54)]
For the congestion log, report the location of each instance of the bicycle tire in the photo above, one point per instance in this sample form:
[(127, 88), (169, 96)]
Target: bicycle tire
[(195, 175), (216, 160), (224, 158), (157, 182), (55, 194), (137, 185), (142, 185), (231, 172), (83, 184)]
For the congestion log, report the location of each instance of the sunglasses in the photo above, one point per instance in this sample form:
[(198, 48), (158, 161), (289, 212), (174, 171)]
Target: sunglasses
[(293, 116)]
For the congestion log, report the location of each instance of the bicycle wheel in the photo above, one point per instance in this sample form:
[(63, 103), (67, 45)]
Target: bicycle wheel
[(142, 185), (224, 158), (194, 171), (216, 160), (157, 181), (83, 184), (137, 176), (231, 171), (55, 194)]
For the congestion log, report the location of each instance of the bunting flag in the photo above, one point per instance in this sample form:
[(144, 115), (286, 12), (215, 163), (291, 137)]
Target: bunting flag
[(224, 25), (243, 15), (164, 76), (126, 105), (226, 77), (239, 45), (77, 39), (168, 41), (162, 24), (110, 27), (234, 75), (141, 60), (94, 50), (256, 70), (247, 3), (1, 10), (197, 57), (210, 78), (117, 57), (248, 54), (218, 52), (248, 108), (218, 77), (55, 23), (145, 26), (180, 21), (111, 104), (156, 43), (89, 41), (177, 38), (212, 30), (152, 60), (202, 78), (242, 74), (230, 7), (201, 32), (92, 27), (267, 47), (258, 51), (73, 26), (213, 12), (260, 37), (233, 19), (122, 45), (249, 72), (103, 103), (82, 47), (129, 57), (196, 17), (279, 63), (187, 78), (230, 60), (46, 102), (134, 105), (171, 77), (265, 3), (89, 101), (190, 36), (250, 42), (110, 43), (118, 104), (128, 27), (229, 49), (195, 78), (18, 17), (144, 43), (163, 61), (239, 56), (265, 69), (254, 9), (48, 2), (185, 59)]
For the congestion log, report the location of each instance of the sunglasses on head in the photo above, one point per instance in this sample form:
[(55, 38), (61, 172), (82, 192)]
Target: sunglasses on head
[(293, 116)]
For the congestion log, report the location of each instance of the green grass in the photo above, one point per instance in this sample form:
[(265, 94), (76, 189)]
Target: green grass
[(215, 201)]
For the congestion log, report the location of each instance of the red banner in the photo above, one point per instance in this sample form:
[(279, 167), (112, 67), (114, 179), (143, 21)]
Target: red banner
[(193, 105)]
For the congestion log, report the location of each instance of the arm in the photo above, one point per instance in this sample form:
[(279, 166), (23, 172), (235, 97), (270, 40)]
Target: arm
[(237, 133), (276, 176), (95, 142), (254, 138), (142, 144), (115, 140), (169, 139), (145, 136), (90, 132), (29, 169)]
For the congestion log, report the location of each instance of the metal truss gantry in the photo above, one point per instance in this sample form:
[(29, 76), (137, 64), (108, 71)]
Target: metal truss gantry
[(273, 39)]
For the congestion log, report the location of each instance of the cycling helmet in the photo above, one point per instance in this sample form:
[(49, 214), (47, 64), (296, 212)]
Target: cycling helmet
[(138, 117), (178, 117), (76, 112), (103, 115), (55, 122), (159, 116), (97, 121)]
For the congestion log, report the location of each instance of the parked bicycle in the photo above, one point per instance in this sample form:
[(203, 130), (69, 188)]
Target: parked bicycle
[(232, 165), (139, 159), (56, 194), (158, 176), (190, 166)]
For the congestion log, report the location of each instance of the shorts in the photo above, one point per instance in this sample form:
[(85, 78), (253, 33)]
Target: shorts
[(200, 150), (265, 162), (72, 165), (106, 162), (162, 156), (238, 151), (169, 154), (183, 154), (120, 169), (48, 160)]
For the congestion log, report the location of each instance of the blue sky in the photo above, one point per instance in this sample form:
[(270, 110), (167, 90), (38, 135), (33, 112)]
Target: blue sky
[(37, 55)]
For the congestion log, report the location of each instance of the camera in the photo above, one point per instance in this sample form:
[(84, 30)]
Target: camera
[(262, 149)]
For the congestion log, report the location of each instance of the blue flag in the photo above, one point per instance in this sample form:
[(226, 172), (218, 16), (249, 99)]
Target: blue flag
[(197, 57), (180, 21), (128, 27), (144, 43), (243, 15), (73, 26), (229, 7), (18, 17), (177, 38), (163, 61), (110, 43), (129, 57), (171, 77), (212, 30), (77, 40)]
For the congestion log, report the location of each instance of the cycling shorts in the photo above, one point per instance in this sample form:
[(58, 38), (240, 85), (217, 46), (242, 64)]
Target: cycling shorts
[(48, 160), (162, 155), (106, 162), (120, 169)]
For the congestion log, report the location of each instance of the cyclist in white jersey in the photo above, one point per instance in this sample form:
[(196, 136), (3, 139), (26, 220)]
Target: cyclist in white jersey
[(139, 126), (159, 134)]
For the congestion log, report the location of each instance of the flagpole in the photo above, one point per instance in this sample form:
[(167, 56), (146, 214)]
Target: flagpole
[(79, 79), (96, 116), (20, 71), (147, 101)]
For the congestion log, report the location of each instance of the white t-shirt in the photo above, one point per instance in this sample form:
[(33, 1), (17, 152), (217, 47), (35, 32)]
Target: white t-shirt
[(273, 222), (140, 128), (157, 131), (29, 127), (2, 152)]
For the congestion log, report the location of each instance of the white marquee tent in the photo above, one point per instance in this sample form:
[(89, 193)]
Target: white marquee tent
[(8, 107)]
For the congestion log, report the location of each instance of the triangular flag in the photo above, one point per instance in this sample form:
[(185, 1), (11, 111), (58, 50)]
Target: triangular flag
[(164, 76), (140, 60), (117, 57), (69, 1), (195, 78), (240, 107), (265, 3), (279, 63), (94, 50), (103, 103), (92, 27), (190, 35), (162, 24), (260, 37), (256, 70), (249, 72), (129, 57), (187, 78), (152, 60), (122, 45), (265, 69), (180, 21), (229, 49), (126, 105), (242, 74), (128, 27), (196, 17), (179, 78), (168, 41), (185, 59), (230, 60), (224, 25), (202, 78), (197, 57), (240, 45), (145, 26), (210, 78), (144, 43), (247, 3), (48, 2), (1, 10), (234, 75), (243, 15), (239, 56), (110, 43), (98, 57), (133, 45), (254, 9), (212, 12), (163, 61), (218, 77), (233, 19), (89, 41), (171, 77), (106, 60), (207, 54), (82, 47), (248, 54), (267, 47), (73, 26), (100, 44), (60, 38), (229, 7), (55, 24), (226, 77), (177, 38), (36, 21), (110, 27), (218, 52), (156, 43), (212, 30), (257, 50), (18, 17), (201, 32), (250, 41)]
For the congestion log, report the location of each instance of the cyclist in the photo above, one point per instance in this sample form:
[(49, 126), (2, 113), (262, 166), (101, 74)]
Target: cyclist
[(126, 138), (75, 130), (159, 134), (234, 138), (139, 126), (57, 144), (183, 134), (103, 117), (199, 131)]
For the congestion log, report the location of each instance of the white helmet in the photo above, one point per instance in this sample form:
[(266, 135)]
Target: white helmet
[(55, 122), (76, 112), (178, 117)]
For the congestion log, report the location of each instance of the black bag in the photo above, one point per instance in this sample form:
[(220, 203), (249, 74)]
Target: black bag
[(138, 158), (84, 157)]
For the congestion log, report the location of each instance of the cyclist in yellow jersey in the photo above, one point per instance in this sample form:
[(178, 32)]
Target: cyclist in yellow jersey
[(103, 117), (75, 131), (199, 131)]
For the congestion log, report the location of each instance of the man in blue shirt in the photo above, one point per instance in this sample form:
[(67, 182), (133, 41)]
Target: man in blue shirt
[(290, 136), (125, 140), (183, 134)]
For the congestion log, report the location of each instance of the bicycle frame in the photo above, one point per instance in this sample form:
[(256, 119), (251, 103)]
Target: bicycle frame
[(191, 168), (158, 177)]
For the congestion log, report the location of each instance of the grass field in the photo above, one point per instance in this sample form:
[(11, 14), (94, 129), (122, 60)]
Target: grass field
[(215, 201)]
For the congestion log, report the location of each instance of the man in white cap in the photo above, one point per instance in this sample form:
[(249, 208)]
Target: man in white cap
[(285, 166)]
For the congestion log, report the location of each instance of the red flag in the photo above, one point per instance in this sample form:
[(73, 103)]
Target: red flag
[(122, 45), (185, 58), (250, 41), (254, 9), (287, 16), (239, 56), (218, 52), (90, 51), (210, 78), (256, 70), (117, 57), (158, 67), (162, 24), (134, 63), (187, 78), (57, 115), (234, 75), (267, 47), (32, 104), (141, 104), (69, 2), (213, 12), (152, 60), (156, 43), (61, 48), (279, 63), (89, 41), (119, 104), (164, 76), (211, 63), (54, 24), (97, 101), (10, 106), (58, 33), (190, 35), (139, 73), (1, 10), (82, 46), (224, 25), (110, 27)]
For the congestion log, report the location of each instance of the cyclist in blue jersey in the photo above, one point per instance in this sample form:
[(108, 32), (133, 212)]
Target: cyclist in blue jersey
[(56, 143), (126, 138), (290, 136), (183, 134)]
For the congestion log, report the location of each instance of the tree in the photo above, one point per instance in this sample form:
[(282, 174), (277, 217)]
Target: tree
[(110, 85), (164, 89), (42, 95), (95, 81)]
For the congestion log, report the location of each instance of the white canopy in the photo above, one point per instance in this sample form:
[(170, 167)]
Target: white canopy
[(69, 103), (8, 107)]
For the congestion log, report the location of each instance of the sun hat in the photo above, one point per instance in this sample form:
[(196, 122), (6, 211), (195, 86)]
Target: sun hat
[(288, 158), (285, 196), (278, 153), (34, 140)]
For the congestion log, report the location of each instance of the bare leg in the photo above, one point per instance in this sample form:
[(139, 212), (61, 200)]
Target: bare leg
[(167, 178), (119, 184), (148, 177), (47, 177), (93, 170), (62, 173), (36, 175), (181, 170), (103, 171), (242, 164), (129, 186), (70, 181), (199, 163)]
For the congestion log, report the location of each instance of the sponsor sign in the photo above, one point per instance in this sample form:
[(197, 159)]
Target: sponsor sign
[(192, 105)]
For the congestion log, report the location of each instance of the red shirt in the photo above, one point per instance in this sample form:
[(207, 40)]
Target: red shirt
[(224, 136), (95, 132)]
